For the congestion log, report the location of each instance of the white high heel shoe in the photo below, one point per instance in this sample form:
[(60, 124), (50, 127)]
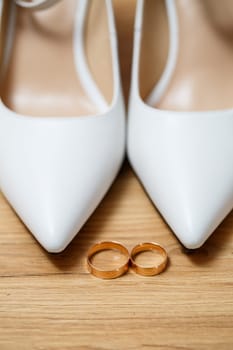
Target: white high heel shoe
[(182, 150), (62, 126)]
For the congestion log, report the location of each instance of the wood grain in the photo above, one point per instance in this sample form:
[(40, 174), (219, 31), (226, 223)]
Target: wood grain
[(50, 302)]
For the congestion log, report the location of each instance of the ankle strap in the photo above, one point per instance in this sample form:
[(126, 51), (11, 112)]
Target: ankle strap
[(36, 4)]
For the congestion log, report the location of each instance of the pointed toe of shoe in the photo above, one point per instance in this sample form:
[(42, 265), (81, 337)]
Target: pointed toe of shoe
[(192, 217), (193, 235), (58, 175), (53, 242), (53, 221), (54, 238), (53, 245), (192, 239), (55, 213), (185, 162)]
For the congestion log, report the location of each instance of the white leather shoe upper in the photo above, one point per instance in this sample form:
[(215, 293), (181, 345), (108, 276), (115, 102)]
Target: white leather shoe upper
[(36, 4), (53, 170), (184, 159)]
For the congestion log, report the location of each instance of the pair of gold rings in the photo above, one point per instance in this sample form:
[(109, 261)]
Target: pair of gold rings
[(130, 259)]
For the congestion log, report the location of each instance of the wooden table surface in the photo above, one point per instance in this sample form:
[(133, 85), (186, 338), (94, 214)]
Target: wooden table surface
[(50, 301)]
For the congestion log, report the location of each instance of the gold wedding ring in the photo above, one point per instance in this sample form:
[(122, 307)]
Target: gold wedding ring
[(151, 270), (103, 246)]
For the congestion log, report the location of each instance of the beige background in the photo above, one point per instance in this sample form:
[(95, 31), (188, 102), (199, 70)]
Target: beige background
[(50, 301)]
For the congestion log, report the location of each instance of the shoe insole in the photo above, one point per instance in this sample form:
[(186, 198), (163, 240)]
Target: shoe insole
[(203, 76), (42, 79)]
